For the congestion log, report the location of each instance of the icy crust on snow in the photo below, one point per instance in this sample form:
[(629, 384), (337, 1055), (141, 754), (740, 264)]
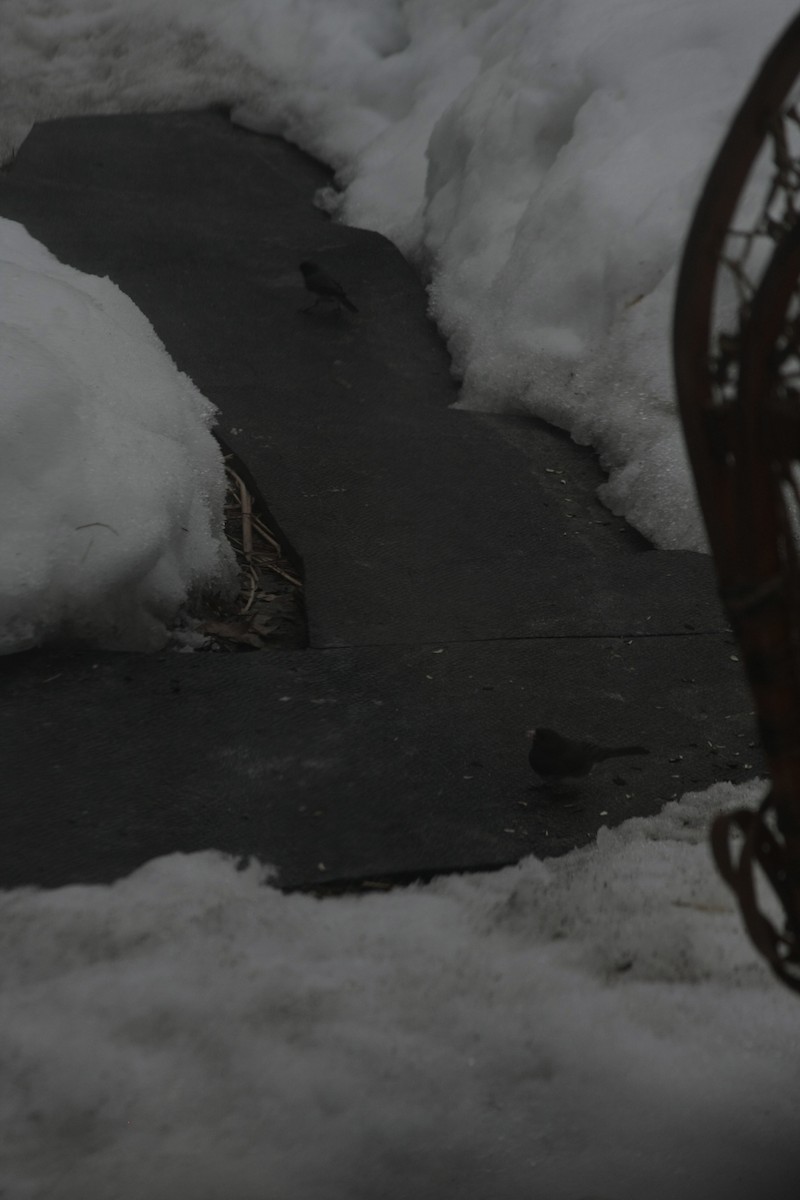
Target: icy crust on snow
[(538, 159), (111, 485), (596, 1025)]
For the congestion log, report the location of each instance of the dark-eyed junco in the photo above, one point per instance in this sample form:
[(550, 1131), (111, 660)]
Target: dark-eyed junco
[(554, 757), (324, 286)]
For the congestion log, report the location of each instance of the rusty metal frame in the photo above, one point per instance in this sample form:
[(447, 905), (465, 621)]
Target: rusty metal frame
[(739, 395)]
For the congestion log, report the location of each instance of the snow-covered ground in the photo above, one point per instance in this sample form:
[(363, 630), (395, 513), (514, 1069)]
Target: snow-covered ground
[(537, 159), (111, 485), (592, 1028)]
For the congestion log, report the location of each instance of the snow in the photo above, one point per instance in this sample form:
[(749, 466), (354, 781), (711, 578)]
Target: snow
[(537, 159), (111, 486), (538, 162), (593, 1026), (596, 1027)]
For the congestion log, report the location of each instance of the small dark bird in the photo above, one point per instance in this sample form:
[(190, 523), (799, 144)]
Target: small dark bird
[(324, 286), (554, 757)]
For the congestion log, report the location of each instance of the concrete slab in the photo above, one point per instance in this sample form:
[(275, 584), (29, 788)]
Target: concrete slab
[(341, 765), (462, 581)]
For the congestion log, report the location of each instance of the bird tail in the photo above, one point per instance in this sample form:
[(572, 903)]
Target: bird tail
[(348, 303), (621, 752)]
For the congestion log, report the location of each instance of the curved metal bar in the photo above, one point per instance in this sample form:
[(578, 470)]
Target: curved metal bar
[(739, 396), (692, 323)]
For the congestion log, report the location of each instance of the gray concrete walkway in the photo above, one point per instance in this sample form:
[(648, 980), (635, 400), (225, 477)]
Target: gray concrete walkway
[(462, 581)]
